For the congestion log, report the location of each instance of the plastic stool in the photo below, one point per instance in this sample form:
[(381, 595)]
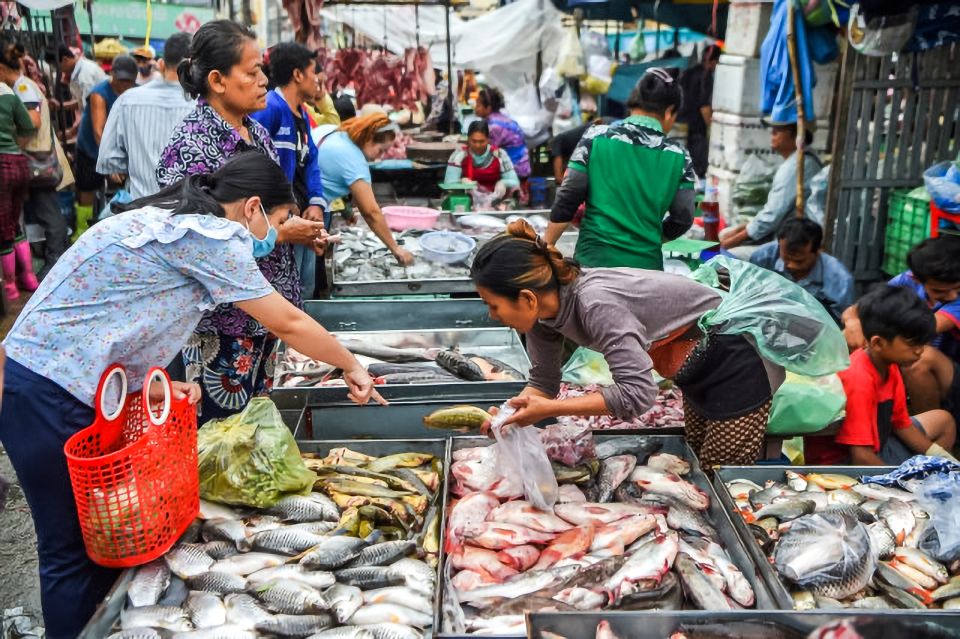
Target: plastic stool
[(937, 214)]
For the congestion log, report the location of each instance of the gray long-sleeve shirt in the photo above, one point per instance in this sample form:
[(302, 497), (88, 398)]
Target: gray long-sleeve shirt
[(620, 313)]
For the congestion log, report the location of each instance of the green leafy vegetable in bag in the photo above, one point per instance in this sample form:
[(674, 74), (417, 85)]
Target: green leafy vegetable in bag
[(806, 404)]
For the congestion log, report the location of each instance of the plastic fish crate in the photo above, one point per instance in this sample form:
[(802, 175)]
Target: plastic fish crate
[(908, 224)]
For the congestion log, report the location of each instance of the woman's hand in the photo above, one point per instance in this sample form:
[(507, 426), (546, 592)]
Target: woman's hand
[(530, 409), (361, 389), (180, 391), (404, 257), (297, 230)]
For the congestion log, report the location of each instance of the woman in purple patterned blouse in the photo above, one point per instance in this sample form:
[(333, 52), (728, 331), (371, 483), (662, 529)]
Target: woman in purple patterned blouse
[(231, 354), (504, 132)]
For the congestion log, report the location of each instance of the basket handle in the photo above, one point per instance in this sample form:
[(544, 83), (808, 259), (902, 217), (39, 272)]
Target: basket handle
[(112, 370), (159, 374)]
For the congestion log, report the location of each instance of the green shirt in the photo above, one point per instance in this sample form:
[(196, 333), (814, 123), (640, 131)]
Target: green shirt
[(634, 172), (14, 121)]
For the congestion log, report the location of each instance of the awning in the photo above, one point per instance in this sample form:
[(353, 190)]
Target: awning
[(44, 5), (692, 14)]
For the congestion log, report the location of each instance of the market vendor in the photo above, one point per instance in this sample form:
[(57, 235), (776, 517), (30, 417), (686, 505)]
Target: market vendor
[(131, 291), (505, 132), (638, 184), (344, 155), (641, 321), (487, 165)]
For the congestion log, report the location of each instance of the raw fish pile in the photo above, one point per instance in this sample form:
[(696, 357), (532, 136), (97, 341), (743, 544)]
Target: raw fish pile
[(666, 413), (397, 365), (362, 257), (629, 533), (353, 561), (482, 225), (840, 543)]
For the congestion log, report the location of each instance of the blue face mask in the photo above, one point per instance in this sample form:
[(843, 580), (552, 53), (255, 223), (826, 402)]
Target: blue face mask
[(265, 246)]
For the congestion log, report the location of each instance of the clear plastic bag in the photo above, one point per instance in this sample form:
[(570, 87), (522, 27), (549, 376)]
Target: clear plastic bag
[(817, 202), (251, 459), (943, 183), (570, 58), (940, 496), (788, 325), (805, 404), (587, 367), (521, 454), (751, 188), (569, 444)]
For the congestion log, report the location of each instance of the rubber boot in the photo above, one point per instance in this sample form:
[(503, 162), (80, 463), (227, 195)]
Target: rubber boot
[(9, 264), (84, 215), (26, 280)]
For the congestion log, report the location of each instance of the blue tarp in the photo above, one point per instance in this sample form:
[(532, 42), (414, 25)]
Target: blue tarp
[(777, 94), (626, 76)]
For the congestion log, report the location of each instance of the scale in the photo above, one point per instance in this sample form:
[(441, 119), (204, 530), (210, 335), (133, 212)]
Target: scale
[(456, 197)]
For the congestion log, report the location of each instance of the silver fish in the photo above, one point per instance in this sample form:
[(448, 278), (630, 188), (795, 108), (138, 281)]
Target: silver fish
[(213, 510), (951, 604), (796, 481), (737, 586), (923, 562), (188, 560), (901, 597), (949, 590), (314, 578), (393, 631), (786, 510), (345, 632), (845, 496), (368, 577), (319, 528), (883, 493), (698, 587), (283, 541), (383, 553), (639, 446), (220, 549), (344, 601), (415, 574), (220, 632), (679, 517), (385, 353), (519, 585), (248, 563), (244, 611), (390, 613), (260, 523), (765, 497), (137, 633), (884, 543), (226, 530), (221, 583), (613, 472), (315, 507), (899, 517), (206, 610), (669, 464), (149, 583), (175, 594), (295, 625), (290, 597), (662, 483), (166, 617), (400, 595), (650, 562), (872, 603), (334, 552)]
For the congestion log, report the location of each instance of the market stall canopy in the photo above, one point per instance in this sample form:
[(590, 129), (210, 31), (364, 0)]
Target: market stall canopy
[(44, 5), (697, 15), (397, 27)]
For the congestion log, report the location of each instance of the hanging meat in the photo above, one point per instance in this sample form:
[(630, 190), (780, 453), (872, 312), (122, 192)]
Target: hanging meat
[(380, 77)]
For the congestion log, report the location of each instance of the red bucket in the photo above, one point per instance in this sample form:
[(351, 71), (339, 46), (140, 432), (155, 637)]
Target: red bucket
[(134, 474)]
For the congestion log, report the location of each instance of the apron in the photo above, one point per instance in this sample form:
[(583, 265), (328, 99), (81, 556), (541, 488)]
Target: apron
[(486, 177)]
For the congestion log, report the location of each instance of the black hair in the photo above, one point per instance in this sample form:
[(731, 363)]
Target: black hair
[(936, 258), (478, 126), (54, 56), (345, 108), (216, 46), (491, 98), (895, 311), (287, 57), (657, 91), (671, 54), (711, 53), (176, 49), (800, 232), (11, 52), (245, 175), (793, 130)]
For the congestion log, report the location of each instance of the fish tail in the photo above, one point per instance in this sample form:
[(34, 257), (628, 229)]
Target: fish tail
[(922, 594), (900, 537)]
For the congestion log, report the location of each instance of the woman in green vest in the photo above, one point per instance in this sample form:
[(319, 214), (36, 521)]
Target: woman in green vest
[(636, 183)]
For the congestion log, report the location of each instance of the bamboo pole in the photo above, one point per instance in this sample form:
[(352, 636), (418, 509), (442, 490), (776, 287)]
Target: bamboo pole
[(801, 115)]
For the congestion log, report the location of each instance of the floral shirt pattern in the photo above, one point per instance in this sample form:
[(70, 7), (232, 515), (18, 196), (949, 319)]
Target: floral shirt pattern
[(507, 134), (132, 291), (202, 143)]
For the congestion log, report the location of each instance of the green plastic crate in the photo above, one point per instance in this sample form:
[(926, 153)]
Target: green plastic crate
[(908, 224)]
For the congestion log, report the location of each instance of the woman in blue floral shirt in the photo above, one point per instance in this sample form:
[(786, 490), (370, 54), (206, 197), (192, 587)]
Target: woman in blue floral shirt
[(132, 291), (231, 354)]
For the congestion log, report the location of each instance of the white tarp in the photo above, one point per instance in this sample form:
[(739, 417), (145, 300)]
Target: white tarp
[(399, 25), (45, 5)]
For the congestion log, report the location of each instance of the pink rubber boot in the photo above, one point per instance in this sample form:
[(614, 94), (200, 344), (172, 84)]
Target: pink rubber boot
[(26, 280), (9, 264)]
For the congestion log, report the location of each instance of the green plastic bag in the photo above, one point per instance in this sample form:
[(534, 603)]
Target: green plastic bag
[(787, 324), (805, 405), (587, 367), (251, 459)]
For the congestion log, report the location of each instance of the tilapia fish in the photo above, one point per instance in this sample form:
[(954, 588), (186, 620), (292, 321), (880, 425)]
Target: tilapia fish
[(385, 353), (522, 513), (149, 583), (656, 481), (650, 562), (613, 472)]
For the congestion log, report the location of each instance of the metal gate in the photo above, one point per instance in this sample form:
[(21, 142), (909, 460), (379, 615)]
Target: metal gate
[(895, 116)]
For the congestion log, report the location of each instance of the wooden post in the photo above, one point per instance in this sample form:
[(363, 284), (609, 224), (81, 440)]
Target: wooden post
[(841, 119), (801, 116)]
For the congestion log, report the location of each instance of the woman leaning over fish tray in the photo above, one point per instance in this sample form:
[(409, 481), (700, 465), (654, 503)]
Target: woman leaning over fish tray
[(131, 291), (641, 321)]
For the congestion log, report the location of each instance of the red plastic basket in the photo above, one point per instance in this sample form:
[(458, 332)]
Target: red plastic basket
[(134, 474)]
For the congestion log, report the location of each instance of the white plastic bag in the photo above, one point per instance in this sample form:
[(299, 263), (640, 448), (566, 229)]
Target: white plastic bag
[(570, 60), (939, 497), (521, 453)]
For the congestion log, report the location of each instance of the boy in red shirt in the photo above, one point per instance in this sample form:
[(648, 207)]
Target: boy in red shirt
[(877, 430)]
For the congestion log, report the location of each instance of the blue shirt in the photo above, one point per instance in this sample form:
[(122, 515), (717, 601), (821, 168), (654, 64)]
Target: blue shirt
[(132, 290), (948, 342), (341, 163), (829, 281), (86, 141), (782, 199)]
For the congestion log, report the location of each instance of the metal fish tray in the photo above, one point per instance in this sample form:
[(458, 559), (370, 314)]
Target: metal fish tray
[(747, 623), (728, 537), (340, 316), (758, 475), (500, 343)]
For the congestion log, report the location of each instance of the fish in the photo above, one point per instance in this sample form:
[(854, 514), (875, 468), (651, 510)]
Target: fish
[(655, 481), (484, 476), (384, 353), (288, 541), (740, 489), (680, 517), (383, 553), (667, 594), (247, 563), (287, 596), (137, 633), (604, 631), (462, 419), (883, 540), (669, 463), (259, 523), (206, 610), (916, 576), (872, 603), (407, 482), (213, 510), (850, 510), (220, 583), (295, 625), (520, 585), (468, 580), (399, 460), (244, 611), (175, 594), (415, 574), (613, 472), (783, 510), (495, 370), (582, 599), (580, 474), (415, 377), (315, 507), (314, 578), (883, 493), (593, 514), (393, 631), (220, 549), (622, 533), (165, 617), (951, 604), (901, 597), (570, 494), (231, 530), (919, 560), (344, 632), (573, 543), (343, 600), (917, 534), (188, 560), (640, 446), (803, 600), (765, 497), (519, 558), (334, 552), (524, 605), (484, 561), (368, 577), (347, 486), (452, 361), (430, 539), (885, 573), (831, 481), (218, 632), (377, 369), (149, 583), (899, 517), (370, 614), (698, 587), (737, 585), (400, 595), (796, 481), (949, 590), (497, 536), (650, 562), (522, 513)]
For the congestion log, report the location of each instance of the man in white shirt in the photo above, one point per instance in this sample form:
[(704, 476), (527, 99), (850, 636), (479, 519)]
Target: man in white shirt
[(83, 75), (141, 121)]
